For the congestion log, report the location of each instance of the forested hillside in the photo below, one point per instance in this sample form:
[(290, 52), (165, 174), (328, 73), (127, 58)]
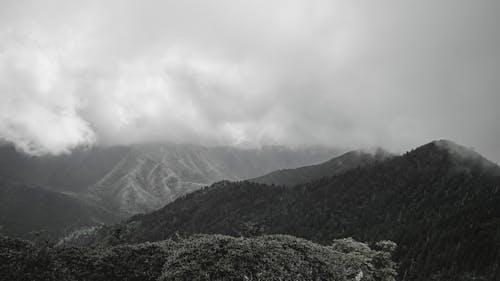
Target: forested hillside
[(439, 202)]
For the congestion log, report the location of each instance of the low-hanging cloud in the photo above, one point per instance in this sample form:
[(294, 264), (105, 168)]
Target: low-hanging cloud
[(338, 73)]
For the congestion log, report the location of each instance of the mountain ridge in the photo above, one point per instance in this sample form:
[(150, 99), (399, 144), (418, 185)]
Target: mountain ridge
[(332, 167)]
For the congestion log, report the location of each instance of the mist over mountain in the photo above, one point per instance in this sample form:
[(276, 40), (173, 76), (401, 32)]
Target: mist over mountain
[(249, 140)]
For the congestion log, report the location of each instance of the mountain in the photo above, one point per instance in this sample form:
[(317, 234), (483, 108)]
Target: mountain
[(25, 209), (439, 202), (138, 184), (332, 167), (127, 180)]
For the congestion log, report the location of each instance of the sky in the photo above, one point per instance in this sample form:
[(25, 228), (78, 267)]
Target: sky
[(388, 73)]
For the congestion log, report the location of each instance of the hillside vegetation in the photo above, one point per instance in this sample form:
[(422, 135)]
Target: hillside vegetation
[(201, 257)]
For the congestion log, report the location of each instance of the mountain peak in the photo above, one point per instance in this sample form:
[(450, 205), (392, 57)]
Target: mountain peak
[(446, 146), (451, 145), (458, 154), (457, 150)]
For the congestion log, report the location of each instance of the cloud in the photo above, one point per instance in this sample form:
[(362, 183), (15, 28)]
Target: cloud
[(38, 109), (338, 73)]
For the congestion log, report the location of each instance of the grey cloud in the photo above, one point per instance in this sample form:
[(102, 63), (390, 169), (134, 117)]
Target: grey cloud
[(353, 74)]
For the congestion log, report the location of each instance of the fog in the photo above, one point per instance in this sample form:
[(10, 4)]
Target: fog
[(394, 74)]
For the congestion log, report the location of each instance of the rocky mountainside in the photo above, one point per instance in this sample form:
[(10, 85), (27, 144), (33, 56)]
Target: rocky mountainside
[(439, 202), (137, 184)]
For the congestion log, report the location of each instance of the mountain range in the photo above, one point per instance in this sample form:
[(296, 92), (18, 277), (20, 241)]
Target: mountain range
[(103, 184), (439, 202)]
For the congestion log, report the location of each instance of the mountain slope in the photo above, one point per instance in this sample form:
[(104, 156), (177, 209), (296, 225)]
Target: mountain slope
[(440, 203), (332, 167), (24, 209), (137, 185)]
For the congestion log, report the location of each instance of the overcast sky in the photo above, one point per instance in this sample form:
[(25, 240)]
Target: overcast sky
[(340, 73)]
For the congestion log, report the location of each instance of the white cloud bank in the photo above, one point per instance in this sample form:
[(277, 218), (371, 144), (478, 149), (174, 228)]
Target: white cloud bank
[(38, 108), (338, 73)]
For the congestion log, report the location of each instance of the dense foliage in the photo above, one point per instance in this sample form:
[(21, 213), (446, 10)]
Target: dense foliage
[(441, 205), (201, 257)]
